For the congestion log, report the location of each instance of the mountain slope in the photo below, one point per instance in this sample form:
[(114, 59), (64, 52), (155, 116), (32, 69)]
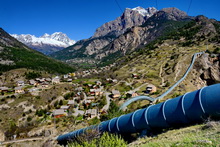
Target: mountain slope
[(46, 44), (131, 17), (112, 46), (14, 54), (165, 60), (84, 51)]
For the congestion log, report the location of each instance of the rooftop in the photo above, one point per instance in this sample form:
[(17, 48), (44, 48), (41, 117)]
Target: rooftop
[(58, 112)]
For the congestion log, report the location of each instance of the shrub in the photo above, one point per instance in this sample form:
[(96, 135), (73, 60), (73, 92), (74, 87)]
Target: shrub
[(216, 51), (29, 118), (106, 140)]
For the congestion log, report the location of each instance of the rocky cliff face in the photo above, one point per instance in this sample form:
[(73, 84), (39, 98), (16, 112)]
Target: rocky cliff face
[(208, 68), (131, 17)]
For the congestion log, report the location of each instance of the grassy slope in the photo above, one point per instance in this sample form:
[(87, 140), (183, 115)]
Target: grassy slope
[(194, 136)]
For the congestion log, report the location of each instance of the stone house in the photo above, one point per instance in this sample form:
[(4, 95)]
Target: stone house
[(70, 103), (4, 89), (20, 83), (59, 113), (135, 76), (91, 113), (115, 94), (56, 80), (33, 82), (151, 88), (64, 107), (19, 89)]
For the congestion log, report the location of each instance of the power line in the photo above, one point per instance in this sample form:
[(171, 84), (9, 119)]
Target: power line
[(119, 6), (189, 6)]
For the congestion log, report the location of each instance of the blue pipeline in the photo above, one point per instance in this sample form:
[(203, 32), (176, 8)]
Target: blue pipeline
[(193, 107), (165, 93)]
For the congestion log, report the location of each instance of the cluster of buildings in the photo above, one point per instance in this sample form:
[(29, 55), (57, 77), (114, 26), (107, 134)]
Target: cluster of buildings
[(38, 82), (63, 111), (84, 99), (89, 72)]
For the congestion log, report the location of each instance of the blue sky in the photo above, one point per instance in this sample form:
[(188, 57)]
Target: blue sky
[(79, 18)]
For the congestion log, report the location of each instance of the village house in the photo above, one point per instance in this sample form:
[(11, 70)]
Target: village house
[(32, 82), (91, 113), (42, 80), (92, 92), (19, 90), (70, 103), (79, 89), (95, 86), (109, 80), (4, 89), (115, 94), (115, 81), (20, 83), (65, 76), (133, 94), (45, 84), (98, 92), (90, 85), (69, 80), (48, 79), (32, 90), (59, 113), (72, 74), (56, 80), (135, 76), (37, 79), (92, 98), (64, 107), (98, 83), (87, 102), (151, 88)]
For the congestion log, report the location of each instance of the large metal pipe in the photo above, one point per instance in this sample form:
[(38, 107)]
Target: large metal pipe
[(190, 108)]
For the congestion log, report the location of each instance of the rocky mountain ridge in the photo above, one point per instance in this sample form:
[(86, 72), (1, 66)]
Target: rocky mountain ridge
[(46, 44), (131, 17)]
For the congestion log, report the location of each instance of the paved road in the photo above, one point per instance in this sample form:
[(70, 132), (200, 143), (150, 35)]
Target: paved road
[(77, 111), (137, 89), (106, 107)]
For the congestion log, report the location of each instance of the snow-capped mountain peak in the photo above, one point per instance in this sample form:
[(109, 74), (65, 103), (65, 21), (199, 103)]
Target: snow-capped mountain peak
[(57, 40), (145, 12), (45, 36)]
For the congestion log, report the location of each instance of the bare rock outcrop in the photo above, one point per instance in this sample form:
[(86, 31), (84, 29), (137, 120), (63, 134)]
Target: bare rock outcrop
[(209, 68), (130, 18)]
